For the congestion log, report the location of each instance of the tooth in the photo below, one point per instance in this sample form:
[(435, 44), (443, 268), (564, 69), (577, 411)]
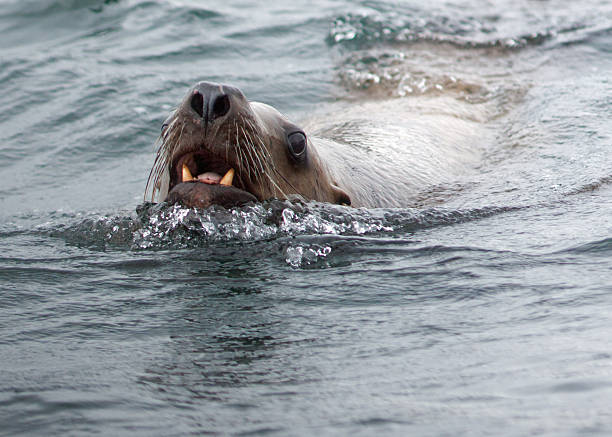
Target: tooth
[(186, 174), (228, 178)]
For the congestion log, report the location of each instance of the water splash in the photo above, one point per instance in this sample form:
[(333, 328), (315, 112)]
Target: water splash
[(397, 74), (174, 225), (161, 226), (301, 256)]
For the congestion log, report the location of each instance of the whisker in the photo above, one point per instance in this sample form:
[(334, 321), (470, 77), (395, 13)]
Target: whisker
[(249, 149)]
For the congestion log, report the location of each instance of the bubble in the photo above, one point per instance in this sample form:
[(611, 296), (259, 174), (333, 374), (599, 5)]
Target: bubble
[(305, 256)]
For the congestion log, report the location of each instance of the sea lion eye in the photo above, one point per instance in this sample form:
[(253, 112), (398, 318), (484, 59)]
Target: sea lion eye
[(164, 126), (297, 145)]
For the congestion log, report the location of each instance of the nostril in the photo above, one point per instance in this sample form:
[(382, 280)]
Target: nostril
[(221, 106), (197, 103)]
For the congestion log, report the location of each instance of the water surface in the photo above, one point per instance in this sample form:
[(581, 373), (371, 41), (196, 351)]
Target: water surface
[(483, 308)]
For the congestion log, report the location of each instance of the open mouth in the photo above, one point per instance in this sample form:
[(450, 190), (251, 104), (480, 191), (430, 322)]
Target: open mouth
[(207, 171), (200, 167), (200, 180)]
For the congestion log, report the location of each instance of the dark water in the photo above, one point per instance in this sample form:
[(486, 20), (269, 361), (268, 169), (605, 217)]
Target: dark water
[(483, 309)]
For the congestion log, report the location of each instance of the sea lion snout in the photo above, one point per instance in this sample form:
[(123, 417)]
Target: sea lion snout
[(211, 101)]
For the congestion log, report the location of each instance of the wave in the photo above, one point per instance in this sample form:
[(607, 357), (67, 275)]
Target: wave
[(594, 248), (509, 28)]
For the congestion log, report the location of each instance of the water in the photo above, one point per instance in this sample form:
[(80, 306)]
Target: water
[(482, 308)]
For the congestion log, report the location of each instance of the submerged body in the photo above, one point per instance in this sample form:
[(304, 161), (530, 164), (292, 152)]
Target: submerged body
[(219, 148), (390, 153)]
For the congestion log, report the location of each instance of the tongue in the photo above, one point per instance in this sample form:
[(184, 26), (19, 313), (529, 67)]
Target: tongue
[(209, 178)]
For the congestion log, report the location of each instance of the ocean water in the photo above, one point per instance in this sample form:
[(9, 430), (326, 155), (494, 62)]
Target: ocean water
[(483, 308)]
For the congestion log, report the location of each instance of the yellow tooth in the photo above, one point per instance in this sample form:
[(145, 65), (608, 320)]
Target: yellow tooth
[(186, 174), (228, 178)]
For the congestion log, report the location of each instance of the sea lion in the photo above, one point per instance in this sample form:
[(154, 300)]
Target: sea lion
[(216, 131), (219, 148)]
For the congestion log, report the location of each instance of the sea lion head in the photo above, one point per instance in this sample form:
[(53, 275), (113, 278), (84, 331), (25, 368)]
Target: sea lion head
[(219, 148)]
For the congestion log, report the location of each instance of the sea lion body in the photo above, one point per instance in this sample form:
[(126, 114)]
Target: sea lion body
[(390, 153), (374, 154)]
